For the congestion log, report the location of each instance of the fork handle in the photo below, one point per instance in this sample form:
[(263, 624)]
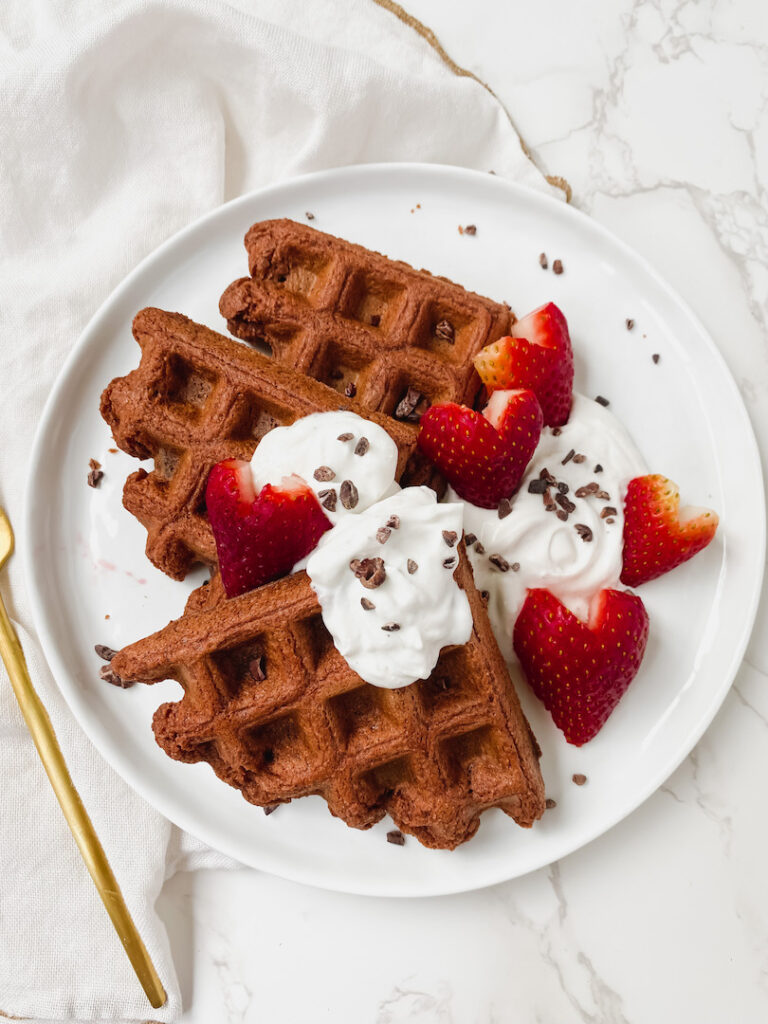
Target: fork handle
[(39, 725)]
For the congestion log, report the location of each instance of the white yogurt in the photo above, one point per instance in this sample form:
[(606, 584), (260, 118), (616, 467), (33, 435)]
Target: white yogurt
[(550, 552), (426, 604), (312, 444)]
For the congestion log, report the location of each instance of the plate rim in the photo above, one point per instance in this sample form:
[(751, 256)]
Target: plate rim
[(392, 885)]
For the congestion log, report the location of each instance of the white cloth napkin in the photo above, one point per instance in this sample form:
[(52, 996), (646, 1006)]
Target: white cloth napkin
[(121, 124)]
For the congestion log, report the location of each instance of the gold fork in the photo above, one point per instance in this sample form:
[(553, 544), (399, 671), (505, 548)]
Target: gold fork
[(39, 725)]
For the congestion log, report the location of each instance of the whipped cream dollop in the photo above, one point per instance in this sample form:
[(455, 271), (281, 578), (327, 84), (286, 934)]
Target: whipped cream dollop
[(348, 461), (385, 583), (573, 552)]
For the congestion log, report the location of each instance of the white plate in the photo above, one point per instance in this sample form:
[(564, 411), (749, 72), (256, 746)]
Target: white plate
[(85, 555)]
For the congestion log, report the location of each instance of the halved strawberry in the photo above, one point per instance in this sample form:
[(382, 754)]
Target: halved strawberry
[(658, 534), (260, 537), (580, 671), (483, 455), (537, 355)]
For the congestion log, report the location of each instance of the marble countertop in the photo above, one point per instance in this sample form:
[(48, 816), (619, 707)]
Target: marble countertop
[(656, 112)]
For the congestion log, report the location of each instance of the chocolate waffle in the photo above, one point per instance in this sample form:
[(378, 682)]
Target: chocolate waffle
[(396, 338), (277, 712), (197, 398)]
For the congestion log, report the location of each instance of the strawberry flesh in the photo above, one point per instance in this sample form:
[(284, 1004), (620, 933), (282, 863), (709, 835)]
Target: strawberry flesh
[(260, 537), (483, 456), (580, 671), (656, 539), (537, 355)]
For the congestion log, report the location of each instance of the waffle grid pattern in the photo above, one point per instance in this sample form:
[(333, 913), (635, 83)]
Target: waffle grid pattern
[(197, 398), (355, 319), (278, 713)]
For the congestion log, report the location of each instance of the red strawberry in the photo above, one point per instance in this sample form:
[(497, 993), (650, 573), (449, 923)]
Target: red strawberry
[(483, 455), (538, 356), (260, 537), (658, 534), (581, 671)]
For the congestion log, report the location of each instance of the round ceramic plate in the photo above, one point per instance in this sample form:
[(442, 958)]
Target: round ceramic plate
[(90, 581)]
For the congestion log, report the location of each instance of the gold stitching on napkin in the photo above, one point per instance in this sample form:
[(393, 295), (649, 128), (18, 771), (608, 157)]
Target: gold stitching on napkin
[(429, 36)]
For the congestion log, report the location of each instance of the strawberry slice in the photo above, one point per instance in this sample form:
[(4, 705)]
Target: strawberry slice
[(483, 456), (658, 534), (537, 355), (580, 671), (260, 536)]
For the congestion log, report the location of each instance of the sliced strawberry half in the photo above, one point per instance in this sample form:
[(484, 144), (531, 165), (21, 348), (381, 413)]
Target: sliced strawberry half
[(658, 534), (483, 456), (260, 536), (578, 670), (537, 355)]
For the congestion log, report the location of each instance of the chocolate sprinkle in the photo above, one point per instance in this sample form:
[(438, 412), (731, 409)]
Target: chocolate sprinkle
[(587, 489), (448, 563), (543, 261), (375, 320), (563, 487), (603, 495), (556, 431), (309, 216), (598, 468), (565, 502), (562, 515), (470, 229), (579, 458), (383, 534), (108, 674), (568, 457), (393, 522), (450, 537), (367, 605), (396, 837), (500, 562), (362, 446), (412, 566), (445, 331), (609, 510), (469, 539), (269, 809), (583, 531), (629, 323), (345, 437), (407, 406), (485, 594), (557, 267), (95, 474), (515, 567), (602, 401), (537, 486), (104, 652), (505, 507), (324, 474), (391, 627), (351, 389), (549, 803), (370, 571), (655, 357), (479, 548), (328, 498), (579, 779), (610, 520), (348, 494)]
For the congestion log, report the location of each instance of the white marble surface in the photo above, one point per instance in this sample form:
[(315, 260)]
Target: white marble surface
[(657, 113)]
